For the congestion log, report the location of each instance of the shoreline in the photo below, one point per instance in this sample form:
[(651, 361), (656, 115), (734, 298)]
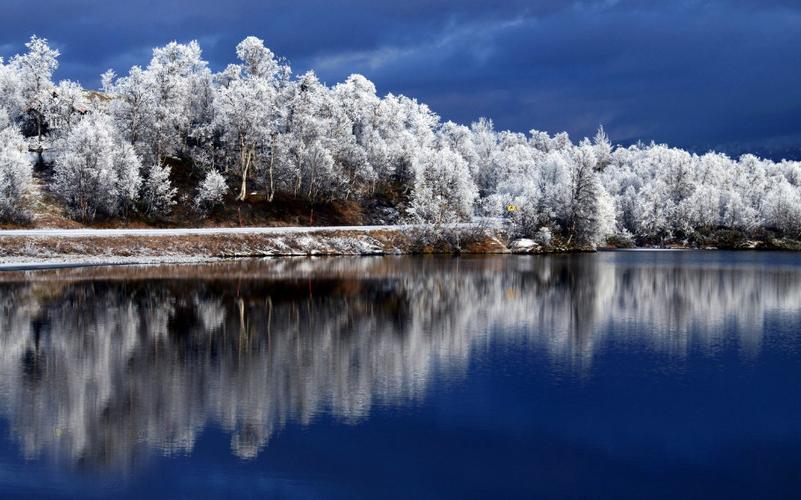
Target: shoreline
[(45, 249), (40, 249), (23, 264)]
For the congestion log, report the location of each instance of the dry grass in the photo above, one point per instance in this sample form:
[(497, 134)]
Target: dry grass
[(233, 246)]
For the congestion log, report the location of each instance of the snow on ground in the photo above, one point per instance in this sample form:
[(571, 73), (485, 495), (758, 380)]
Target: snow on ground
[(207, 231), (28, 249)]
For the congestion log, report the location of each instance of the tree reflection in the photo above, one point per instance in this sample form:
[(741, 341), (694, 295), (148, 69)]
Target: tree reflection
[(100, 366)]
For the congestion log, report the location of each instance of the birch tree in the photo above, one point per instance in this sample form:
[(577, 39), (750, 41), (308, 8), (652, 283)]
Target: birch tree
[(15, 173), (35, 72), (247, 112), (96, 173)]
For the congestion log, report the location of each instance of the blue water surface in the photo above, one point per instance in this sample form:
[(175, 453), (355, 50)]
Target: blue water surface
[(609, 375)]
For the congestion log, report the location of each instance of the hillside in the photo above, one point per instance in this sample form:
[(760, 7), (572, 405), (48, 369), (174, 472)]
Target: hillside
[(46, 210)]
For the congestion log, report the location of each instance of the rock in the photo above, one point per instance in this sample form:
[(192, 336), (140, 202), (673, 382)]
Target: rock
[(524, 245)]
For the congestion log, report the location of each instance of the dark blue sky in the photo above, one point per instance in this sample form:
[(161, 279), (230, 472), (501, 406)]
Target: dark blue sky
[(694, 73)]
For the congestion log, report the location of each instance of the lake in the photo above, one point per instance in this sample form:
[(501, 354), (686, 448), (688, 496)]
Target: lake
[(639, 374)]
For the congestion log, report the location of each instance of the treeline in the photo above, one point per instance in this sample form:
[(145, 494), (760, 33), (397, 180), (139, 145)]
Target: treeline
[(255, 125)]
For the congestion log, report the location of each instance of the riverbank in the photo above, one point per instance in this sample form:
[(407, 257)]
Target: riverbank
[(58, 248)]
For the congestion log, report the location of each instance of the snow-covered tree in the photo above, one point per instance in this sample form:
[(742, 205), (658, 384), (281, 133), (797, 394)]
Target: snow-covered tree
[(311, 150), (158, 194), (66, 106), (603, 149), (581, 214), (34, 70), (96, 173), (606, 222), (128, 175), (305, 139), (170, 93), (212, 190), (737, 213), (782, 208), (443, 189), (132, 103), (15, 173), (11, 100), (485, 142), (260, 62), (247, 110), (368, 152), (703, 207)]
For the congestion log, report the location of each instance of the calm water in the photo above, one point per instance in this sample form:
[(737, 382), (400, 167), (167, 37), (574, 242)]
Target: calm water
[(617, 375)]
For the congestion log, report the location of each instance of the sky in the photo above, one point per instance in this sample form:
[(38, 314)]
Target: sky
[(699, 74)]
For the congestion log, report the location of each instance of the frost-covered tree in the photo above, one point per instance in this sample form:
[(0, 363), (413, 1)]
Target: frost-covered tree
[(782, 208), (260, 62), (248, 112), (132, 103), (703, 208), (34, 70), (603, 149), (605, 218), (96, 173), (302, 138), (485, 143), (737, 213), (212, 190), (369, 153), (385, 136), (66, 106), (15, 172), (312, 149), (128, 175), (531, 187), (11, 100), (443, 189), (581, 214), (549, 182), (158, 108), (158, 194)]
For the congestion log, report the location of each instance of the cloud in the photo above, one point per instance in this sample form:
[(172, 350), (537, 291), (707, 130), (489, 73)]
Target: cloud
[(696, 73)]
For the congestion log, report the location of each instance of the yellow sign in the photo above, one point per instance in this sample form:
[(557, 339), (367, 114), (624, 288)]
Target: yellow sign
[(511, 208)]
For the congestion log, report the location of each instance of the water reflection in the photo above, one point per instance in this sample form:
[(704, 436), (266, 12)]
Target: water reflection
[(98, 367)]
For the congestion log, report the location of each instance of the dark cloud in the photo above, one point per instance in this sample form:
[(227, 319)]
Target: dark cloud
[(695, 73)]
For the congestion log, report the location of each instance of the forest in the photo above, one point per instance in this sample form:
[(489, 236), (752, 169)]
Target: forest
[(174, 134)]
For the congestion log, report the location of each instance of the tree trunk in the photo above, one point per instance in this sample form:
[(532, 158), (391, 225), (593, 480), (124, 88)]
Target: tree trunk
[(243, 192), (272, 158)]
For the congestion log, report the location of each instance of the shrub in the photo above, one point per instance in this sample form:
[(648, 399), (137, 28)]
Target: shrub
[(211, 191), (158, 195), (15, 174)]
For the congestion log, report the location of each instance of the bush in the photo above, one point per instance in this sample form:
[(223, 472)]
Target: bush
[(543, 236), (15, 174), (442, 239), (622, 239), (158, 195), (525, 221), (728, 239), (211, 191)]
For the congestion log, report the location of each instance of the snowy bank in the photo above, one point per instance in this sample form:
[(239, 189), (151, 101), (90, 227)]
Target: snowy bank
[(43, 248)]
